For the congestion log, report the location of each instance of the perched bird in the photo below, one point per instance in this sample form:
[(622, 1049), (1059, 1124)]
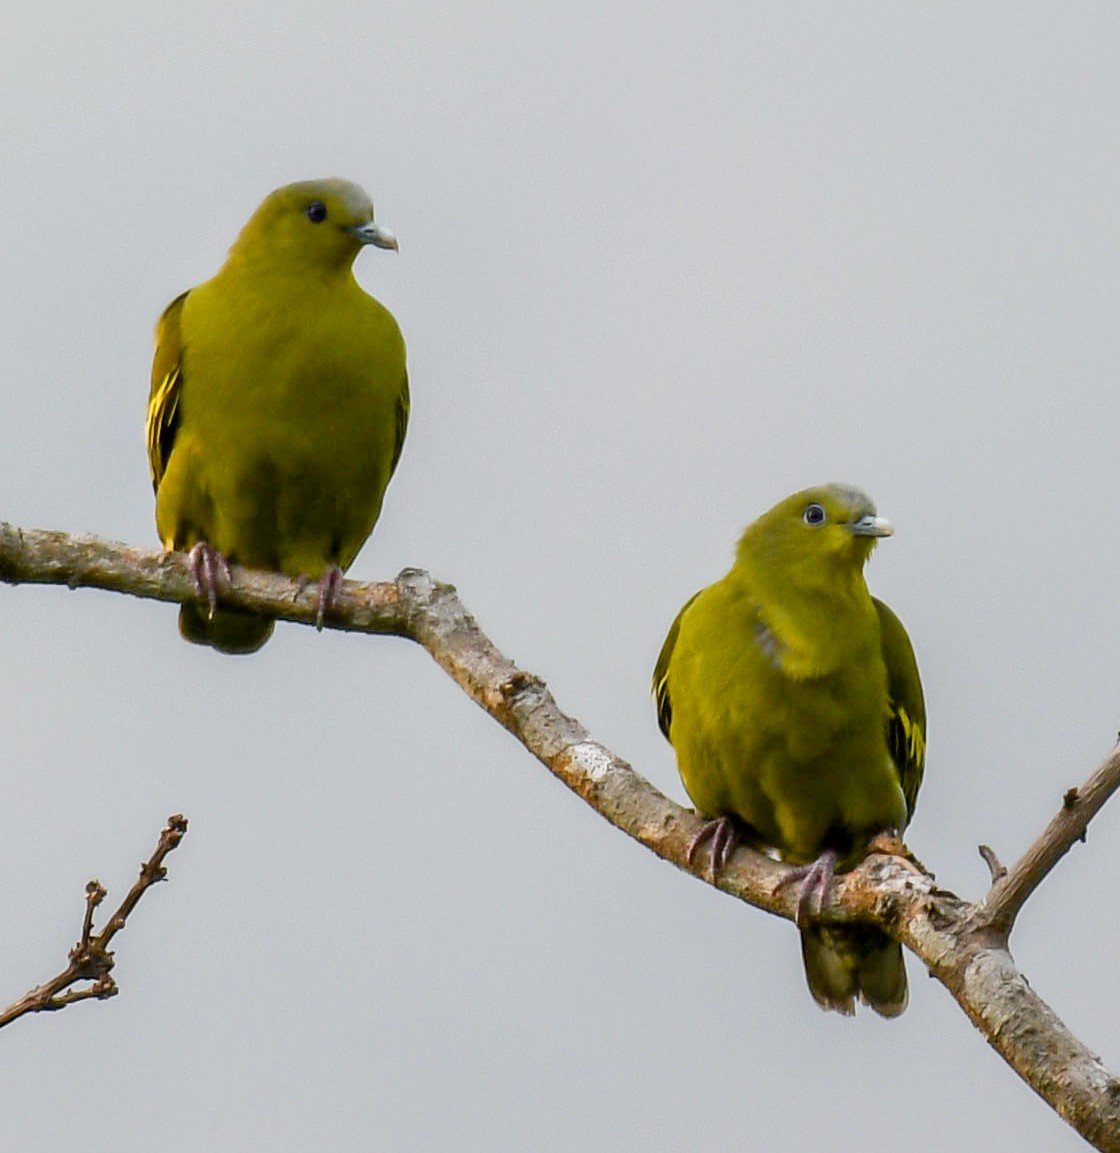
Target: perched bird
[(793, 701), (278, 406)]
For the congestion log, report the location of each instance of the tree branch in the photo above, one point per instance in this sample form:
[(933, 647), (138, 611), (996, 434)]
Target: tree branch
[(34, 556), (1010, 891), (90, 958), (953, 939)]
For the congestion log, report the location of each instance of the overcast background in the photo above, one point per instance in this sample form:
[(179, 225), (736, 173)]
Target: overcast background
[(660, 266)]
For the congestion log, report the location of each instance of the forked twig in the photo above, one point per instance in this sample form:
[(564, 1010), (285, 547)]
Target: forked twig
[(90, 959)]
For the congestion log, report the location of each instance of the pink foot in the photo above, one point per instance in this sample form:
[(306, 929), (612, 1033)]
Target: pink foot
[(815, 879), (723, 834), (329, 585), (209, 569)]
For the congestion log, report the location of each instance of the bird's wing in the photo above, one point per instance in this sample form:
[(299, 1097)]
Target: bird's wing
[(404, 407), (661, 673), (906, 719), (167, 385)]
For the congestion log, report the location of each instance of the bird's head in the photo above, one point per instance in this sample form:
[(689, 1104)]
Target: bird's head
[(815, 531), (315, 224)]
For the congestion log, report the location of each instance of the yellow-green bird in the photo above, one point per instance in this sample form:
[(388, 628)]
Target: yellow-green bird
[(278, 406), (793, 701)]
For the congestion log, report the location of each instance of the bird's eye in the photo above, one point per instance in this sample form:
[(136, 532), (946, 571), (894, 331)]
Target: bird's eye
[(316, 212), (815, 514)]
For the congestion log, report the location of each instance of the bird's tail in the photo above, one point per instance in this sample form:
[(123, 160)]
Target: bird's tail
[(850, 961), (228, 630)]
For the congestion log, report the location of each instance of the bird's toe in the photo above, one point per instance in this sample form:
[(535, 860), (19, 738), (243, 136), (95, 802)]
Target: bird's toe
[(814, 879), (724, 836), (329, 585), (210, 571)]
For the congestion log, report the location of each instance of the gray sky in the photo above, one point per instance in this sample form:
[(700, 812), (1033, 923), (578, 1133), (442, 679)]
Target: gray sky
[(658, 269)]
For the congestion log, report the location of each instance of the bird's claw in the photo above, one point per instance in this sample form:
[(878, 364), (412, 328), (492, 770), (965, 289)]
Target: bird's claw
[(210, 570), (815, 879), (724, 836), (330, 583)]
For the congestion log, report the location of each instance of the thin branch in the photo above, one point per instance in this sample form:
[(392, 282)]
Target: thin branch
[(958, 949), (1079, 806), (995, 866), (90, 958)]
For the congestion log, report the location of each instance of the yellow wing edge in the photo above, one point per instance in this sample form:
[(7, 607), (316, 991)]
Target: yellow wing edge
[(906, 706), (661, 672), (167, 385)]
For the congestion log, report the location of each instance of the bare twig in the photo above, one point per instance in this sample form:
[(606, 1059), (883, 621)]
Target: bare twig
[(90, 959), (956, 947), (1010, 891), (995, 866)]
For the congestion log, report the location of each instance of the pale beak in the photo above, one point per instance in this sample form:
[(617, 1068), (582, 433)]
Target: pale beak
[(871, 526), (376, 234)]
